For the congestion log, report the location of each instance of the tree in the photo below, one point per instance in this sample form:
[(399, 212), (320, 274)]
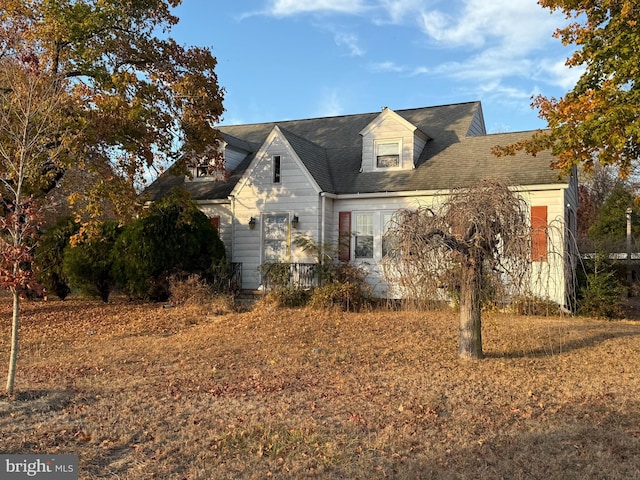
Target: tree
[(88, 259), (476, 240), (32, 138), (609, 230), (88, 86), (49, 256), (173, 237), (599, 119), (142, 101), (595, 187)]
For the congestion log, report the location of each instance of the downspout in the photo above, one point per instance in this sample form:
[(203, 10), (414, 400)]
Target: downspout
[(232, 198), (323, 206)]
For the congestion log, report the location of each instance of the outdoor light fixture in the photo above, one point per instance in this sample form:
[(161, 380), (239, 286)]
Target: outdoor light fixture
[(252, 223), (294, 221)]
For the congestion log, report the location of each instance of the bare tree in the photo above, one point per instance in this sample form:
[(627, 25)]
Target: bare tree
[(476, 241), (31, 140)]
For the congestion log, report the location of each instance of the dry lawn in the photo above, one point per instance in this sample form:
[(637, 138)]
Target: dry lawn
[(143, 392)]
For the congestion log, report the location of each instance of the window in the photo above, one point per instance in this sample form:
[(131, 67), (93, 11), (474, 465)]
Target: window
[(388, 154), (276, 238), (364, 235), (539, 234), (276, 169), (215, 221)]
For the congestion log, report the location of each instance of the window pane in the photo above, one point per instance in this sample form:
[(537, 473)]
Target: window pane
[(388, 161), (388, 148), (364, 224), (364, 235), (276, 169), (364, 246)]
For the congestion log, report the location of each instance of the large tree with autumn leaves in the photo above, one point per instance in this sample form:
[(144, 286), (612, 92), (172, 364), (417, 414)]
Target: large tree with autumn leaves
[(98, 88), (141, 100), (599, 119)]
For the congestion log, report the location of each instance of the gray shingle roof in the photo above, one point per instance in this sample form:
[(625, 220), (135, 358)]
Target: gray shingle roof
[(331, 149)]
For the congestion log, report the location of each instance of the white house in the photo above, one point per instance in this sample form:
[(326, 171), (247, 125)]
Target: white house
[(345, 176)]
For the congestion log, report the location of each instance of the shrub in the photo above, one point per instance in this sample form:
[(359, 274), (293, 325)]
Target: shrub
[(603, 293), (194, 292), (275, 275), (49, 256), (290, 296), (88, 259), (344, 296), (174, 237), (536, 306)]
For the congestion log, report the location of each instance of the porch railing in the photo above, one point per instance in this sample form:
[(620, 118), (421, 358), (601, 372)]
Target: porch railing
[(302, 275)]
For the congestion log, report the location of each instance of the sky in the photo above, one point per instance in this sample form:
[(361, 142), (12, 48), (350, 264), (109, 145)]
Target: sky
[(293, 59)]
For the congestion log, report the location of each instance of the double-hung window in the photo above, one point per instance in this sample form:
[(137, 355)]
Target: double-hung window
[(387, 153), (364, 235)]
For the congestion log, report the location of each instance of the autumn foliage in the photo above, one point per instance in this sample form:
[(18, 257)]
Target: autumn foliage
[(599, 119)]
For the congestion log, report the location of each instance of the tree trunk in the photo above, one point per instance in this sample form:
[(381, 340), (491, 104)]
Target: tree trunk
[(13, 357), (470, 339)]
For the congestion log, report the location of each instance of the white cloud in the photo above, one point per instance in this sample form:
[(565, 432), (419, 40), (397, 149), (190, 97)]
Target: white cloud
[(330, 104), (350, 41), (561, 75), (285, 8), (499, 39), (383, 67), (399, 10), (516, 26)]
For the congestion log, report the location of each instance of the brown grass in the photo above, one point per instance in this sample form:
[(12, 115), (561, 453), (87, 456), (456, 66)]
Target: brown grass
[(143, 392)]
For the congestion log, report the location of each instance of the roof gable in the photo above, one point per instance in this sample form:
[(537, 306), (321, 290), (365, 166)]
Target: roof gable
[(263, 155)]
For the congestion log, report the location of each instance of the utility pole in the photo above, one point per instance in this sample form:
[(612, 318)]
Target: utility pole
[(629, 275)]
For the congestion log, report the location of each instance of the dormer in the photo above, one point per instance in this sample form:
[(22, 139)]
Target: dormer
[(233, 151), (391, 143)]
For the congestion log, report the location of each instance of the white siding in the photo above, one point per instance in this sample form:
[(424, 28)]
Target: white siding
[(295, 194), (548, 278), (226, 222)]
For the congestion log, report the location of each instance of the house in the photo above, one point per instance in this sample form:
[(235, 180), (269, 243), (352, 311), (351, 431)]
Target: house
[(343, 177)]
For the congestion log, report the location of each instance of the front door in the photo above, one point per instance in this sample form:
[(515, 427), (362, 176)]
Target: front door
[(275, 238)]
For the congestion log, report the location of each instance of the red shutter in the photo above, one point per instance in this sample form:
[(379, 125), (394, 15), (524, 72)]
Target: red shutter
[(539, 234), (215, 221), (344, 236)]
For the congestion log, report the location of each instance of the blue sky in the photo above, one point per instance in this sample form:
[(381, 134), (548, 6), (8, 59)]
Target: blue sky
[(293, 59)]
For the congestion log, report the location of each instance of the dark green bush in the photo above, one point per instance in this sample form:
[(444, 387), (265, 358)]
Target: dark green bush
[(602, 292), (88, 259), (173, 238), (49, 256)]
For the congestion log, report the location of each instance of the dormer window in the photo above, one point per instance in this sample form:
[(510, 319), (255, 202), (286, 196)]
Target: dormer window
[(202, 171), (388, 153)]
